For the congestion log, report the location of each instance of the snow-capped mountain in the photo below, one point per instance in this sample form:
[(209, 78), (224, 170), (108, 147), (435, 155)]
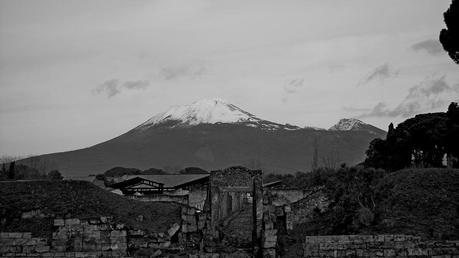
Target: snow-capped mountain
[(210, 111), (352, 124), (214, 134), (347, 124)]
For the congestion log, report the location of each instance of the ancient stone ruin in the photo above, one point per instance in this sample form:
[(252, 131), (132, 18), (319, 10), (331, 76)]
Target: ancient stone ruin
[(239, 219)]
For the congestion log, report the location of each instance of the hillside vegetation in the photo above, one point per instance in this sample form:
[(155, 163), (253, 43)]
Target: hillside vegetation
[(420, 201), (76, 199), (423, 202)]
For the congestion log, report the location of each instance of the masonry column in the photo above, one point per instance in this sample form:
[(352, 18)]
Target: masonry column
[(257, 212)]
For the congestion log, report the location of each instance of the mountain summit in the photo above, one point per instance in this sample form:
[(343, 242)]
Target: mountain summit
[(209, 111), (352, 124), (347, 124)]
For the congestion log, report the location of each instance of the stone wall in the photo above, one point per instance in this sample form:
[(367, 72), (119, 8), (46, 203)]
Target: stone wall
[(94, 237), (228, 190), (303, 210), (269, 233), (182, 199), (286, 196), (197, 198), (71, 238), (378, 246)]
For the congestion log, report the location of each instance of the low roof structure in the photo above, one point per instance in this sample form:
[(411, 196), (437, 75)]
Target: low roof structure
[(170, 181), (138, 185)]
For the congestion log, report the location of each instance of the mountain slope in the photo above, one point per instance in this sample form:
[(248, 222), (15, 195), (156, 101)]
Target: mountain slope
[(212, 135), (352, 124)]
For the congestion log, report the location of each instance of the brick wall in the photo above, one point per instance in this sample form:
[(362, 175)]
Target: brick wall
[(378, 246)]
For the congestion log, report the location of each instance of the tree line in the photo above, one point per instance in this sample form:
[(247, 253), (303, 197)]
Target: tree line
[(426, 140), (36, 169)]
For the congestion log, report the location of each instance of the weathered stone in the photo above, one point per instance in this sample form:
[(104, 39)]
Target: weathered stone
[(71, 222), (156, 253), (42, 248), (59, 222), (136, 233), (106, 219), (166, 244), (173, 229), (269, 253)]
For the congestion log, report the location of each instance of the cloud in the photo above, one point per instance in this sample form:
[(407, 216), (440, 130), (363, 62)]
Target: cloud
[(181, 71), (294, 85), (380, 73), (133, 85), (431, 46), (428, 96), (114, 87)]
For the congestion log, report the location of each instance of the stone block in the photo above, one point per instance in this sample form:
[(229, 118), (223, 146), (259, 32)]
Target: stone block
[(156, 253), (399, 238), (269, 238), (379, 238), (269, 253), (59, 222), (270, 232), (190, 211), (415, 252), (121, 233), (72, 222), (389, 252), (80, 254), (191, 228), (269, 225), (15, 235), (106, 219), (42, 248), (201, 224), (136, 233), (27, 235), (269, 244), (173, 229), (91, 235), (60, 248), (94, 221), (164, 245)]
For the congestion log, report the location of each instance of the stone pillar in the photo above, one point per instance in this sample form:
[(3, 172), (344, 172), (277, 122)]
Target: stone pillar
[(257, 213), (214, 209), (288, 217)]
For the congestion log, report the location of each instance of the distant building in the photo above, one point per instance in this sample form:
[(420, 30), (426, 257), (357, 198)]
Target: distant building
[(190, 189)]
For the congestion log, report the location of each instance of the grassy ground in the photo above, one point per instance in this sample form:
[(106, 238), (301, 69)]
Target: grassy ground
[(423, 202), (77, 199)]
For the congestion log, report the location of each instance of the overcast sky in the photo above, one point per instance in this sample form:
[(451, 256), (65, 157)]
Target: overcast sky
[(76, 73)]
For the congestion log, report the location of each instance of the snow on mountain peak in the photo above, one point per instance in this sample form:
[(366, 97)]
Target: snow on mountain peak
[(206, 111), (347, 124)]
